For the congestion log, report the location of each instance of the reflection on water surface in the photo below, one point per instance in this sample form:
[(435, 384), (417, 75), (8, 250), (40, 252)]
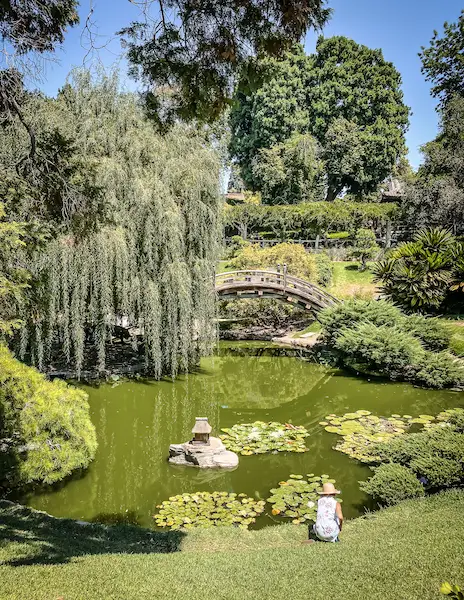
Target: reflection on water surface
[(136, 422)]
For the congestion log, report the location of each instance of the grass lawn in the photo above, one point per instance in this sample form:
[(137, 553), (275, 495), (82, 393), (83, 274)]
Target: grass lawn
[(405, 553), (457, 335), (348, 281)]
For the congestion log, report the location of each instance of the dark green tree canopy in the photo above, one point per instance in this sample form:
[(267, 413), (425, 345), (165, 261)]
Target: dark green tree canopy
[(36, 25), (443, 61), (436, 195), (193, 51), (346, 95)]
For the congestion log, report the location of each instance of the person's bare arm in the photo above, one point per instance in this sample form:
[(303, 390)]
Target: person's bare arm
[(338, 512)]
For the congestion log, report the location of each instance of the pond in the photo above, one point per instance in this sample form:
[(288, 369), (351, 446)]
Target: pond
[(137, 420)]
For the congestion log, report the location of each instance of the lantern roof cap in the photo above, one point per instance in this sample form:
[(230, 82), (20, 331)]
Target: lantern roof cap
[(202, 425)]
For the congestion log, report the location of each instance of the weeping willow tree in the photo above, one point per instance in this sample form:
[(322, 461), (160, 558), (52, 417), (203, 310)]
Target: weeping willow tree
[(134, 231)]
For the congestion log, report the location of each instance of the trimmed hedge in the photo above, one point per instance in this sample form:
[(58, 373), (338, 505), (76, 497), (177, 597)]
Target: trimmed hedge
[(392, 483), (45, 427), (434, 335)]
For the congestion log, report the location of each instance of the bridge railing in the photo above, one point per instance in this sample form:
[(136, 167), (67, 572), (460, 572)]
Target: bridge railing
[(283, 282)]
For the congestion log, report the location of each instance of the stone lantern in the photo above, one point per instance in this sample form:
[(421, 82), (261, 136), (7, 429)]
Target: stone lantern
[(201, 431)]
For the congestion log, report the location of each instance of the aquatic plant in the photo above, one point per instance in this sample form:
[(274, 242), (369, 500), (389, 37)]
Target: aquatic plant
[(205, 509), (361, 430), (297, 498), (260, 437)]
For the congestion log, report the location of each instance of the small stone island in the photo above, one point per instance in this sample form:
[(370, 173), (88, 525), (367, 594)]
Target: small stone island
[(203, 451)]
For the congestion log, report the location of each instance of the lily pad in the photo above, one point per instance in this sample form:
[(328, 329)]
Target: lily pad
[(297, 498), (205, 509), (260, 437)]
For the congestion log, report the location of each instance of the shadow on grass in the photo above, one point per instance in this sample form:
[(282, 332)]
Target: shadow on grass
[(28, 537)]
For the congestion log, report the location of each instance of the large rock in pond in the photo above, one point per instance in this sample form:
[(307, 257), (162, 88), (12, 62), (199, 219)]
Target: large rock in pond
[(204, 456)]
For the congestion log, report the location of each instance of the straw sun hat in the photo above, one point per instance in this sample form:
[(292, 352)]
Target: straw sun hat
[(328, 489)]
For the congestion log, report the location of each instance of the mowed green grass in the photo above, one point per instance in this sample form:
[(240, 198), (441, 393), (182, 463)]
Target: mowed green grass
[(348, 281), (457, 336), (405, 553)]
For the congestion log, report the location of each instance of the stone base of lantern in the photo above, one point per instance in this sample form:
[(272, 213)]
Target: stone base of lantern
[(208, 456)]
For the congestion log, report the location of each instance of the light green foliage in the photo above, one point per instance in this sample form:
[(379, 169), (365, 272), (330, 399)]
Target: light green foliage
[(453, 591), (308, 218), (392, 483), (324, 269), (152, 264), (439, 370), (237, 244), (433, 333), (353, 312), (204, 509), (13, 278), (442, 61), (419, 275), (299, 262), (379, 349), (345, 95), (361, 431), (45, 425), (260, 437), (290, 172), (297, 498), (365, 247)]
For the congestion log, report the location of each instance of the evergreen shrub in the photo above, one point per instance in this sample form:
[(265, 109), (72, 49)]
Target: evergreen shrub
[(438, 370), (45, 427), (324, 269), (392, 483), (438, 472), (352, 312), (386, 349), (433, 334)]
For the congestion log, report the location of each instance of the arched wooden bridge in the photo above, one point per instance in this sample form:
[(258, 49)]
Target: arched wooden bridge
[(273, 284)]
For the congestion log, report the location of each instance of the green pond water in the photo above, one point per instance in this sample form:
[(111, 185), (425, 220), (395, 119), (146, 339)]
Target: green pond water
[(137, 420)]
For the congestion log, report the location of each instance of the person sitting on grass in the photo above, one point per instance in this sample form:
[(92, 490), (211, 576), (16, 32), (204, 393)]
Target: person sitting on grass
[(329, 519)]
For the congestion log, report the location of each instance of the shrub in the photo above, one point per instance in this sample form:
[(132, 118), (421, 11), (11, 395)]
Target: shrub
[(420, 274), (352, 312), (324, 269), (438, 472), (436, 442), (237, 243), (299, 262), (365, 247), (45, 426), (433, 334), (392, 483), (261, 311), (386, 350), (438, 370)]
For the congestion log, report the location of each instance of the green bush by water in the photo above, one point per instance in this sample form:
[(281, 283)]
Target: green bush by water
[(352, 312), (434, 334), (45, 426), (385, 350), (392, 483), (375, 337)]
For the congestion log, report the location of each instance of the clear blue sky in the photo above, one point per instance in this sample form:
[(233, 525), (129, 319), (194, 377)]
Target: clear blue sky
[(398, 27)]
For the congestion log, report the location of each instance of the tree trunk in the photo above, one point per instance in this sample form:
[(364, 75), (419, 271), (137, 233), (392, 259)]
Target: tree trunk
[(332, 192)]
